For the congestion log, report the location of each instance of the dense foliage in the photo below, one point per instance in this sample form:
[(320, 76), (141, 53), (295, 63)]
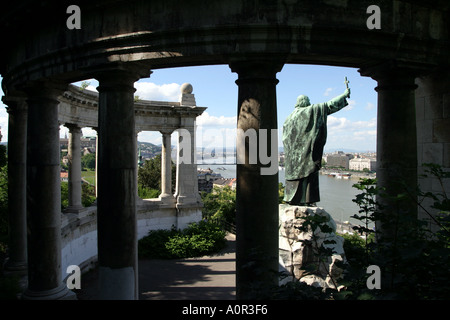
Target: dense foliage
[(149, 175), (88, 161), (220, 205), (414, 262), (196, 240), (87, 195)]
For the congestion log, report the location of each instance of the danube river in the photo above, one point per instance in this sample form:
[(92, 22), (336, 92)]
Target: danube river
[(336, 194)]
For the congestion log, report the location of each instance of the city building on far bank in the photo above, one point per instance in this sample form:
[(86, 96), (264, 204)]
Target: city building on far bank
[(359, 164)]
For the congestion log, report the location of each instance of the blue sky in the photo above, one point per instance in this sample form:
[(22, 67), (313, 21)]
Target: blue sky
[(353, 127)]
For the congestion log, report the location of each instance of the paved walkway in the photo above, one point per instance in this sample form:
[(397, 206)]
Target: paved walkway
[(204, 278)]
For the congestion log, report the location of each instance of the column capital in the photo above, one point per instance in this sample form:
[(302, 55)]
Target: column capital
[(73, 128), (394, 74), (44, 89), (166, 131), (15, 103), (121, 75), (262, 68)]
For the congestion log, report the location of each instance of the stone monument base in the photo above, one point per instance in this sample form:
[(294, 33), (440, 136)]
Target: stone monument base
[(298, 249)]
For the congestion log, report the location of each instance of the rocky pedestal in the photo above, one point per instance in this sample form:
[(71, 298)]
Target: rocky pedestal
[(299, 249)]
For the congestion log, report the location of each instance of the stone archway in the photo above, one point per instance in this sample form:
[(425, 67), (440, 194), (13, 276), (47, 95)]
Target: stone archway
[(120, 41)]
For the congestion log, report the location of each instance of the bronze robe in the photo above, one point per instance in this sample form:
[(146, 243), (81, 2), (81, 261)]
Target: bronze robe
[(304, 137)]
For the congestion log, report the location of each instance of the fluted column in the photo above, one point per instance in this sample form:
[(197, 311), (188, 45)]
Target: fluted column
[(74, 156), (256, 194), (166, 169), (117, 184), (17, 181), (44, 194)]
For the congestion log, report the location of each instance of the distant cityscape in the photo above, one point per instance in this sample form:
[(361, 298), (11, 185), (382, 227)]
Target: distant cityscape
[(353, 161)]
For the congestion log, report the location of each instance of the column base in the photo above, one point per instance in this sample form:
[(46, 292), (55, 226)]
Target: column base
[(167, 199), (188, 201), (15, 268), (59, 293)]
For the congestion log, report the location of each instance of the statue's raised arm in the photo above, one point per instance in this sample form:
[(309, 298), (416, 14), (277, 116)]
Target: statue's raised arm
[(338, 102)]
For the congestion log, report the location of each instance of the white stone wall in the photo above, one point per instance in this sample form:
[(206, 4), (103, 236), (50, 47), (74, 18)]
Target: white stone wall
[(79, 232)]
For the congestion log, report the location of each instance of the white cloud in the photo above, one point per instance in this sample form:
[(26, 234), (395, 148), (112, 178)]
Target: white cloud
[(350, 106), (151, 91), (370, 106), (89, 132), (327, 92), (3, 122), (91, 88), (147, 90), (344, 133), (334, 123), (205, 119)]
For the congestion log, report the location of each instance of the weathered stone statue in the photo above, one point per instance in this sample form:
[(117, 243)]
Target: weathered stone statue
[(304, 137)]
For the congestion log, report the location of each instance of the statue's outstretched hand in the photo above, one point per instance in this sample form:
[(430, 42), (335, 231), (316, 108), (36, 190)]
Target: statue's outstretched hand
[(347, 92)]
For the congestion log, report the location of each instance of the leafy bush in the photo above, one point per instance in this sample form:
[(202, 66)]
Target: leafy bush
[(197, 239), (87, 195), (153, 245), (147, 193), (220, 204), (414, 263)]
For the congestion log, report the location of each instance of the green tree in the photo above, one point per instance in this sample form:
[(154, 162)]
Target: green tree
[(84, 85), (149, 175), (220, 204), (88, 161), (3, 159), (281, 188), (414, 262)]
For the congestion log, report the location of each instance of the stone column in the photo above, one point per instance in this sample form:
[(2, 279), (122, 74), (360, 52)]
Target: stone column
[(17, 181), (74, 155), (117, 185), (186, 176), (396, 139), (166, 169), (44, 194), (96, 161), (256, 194), (433, 135)]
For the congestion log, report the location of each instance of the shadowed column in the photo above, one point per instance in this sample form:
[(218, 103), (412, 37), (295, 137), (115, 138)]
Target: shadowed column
[(17, 181), (257, 194), (396, 141), (117, 185), (44, 195), (74, 156)]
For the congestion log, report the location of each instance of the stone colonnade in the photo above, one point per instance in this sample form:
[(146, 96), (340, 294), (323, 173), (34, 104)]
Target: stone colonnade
[(34, 172), (257, 197)]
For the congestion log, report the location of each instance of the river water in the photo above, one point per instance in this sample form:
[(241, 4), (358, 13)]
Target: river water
[(335, 194)]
